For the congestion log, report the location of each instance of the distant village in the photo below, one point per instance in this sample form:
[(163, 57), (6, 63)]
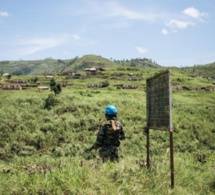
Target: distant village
[(7, 83)]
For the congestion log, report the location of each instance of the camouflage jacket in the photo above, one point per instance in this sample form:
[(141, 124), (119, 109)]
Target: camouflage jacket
[(110, 133)]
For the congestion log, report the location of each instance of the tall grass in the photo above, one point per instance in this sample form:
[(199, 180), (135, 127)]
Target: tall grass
[(46, 175), (42, 150)]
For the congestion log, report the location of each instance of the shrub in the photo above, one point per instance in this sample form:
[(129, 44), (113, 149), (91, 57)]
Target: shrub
[(50, 101)]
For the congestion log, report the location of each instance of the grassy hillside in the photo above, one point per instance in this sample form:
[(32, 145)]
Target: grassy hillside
[(88, 61), (50, 65), (42, 150), (207, 70)]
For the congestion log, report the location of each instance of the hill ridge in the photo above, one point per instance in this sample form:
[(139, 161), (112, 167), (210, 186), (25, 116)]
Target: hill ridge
[(54, 66)]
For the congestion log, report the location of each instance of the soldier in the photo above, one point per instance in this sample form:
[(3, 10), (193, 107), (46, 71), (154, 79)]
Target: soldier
[(109, 136)]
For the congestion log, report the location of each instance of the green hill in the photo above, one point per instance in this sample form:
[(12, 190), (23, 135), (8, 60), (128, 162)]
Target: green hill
[(50, 65), (207, 70)]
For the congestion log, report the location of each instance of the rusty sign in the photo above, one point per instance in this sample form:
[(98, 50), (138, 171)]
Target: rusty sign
[(159, 100), (159, 111)]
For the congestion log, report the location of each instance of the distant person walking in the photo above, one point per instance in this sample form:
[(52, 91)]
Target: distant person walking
[(109, 136)]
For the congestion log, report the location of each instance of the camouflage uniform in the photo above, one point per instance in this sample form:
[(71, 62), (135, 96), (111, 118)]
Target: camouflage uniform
[(108, 139)]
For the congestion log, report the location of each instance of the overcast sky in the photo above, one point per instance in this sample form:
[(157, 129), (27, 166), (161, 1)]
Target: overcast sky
[(170, 32)]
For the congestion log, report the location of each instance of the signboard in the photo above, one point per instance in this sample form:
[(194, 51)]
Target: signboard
[(158, 101), (159, 110)]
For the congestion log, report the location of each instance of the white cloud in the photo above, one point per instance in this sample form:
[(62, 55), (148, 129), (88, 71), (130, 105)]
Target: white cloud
[(112, 9), (117, 10), (179, 24), (75, 36), (193, 17), (194, 13), (164, 31), (4, 14), (46, 42), (141, 50), (31, 46)]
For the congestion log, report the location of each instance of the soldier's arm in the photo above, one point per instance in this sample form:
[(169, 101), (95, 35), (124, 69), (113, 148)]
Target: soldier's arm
[(99, 139)]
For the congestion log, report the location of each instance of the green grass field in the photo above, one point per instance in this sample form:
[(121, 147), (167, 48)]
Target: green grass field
[(42, 150)]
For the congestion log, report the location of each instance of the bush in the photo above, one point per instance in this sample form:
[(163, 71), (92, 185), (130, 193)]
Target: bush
[(50, 102)]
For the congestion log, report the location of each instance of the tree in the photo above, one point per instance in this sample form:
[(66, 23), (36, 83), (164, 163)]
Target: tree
[(9, 76), (55, 87), (52, 83), (35, 79)]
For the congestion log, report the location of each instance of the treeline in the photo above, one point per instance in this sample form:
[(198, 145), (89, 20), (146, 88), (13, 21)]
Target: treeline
[(207, 70), (138, 62)]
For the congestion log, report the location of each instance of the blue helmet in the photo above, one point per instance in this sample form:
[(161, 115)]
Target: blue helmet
[(111, 110)]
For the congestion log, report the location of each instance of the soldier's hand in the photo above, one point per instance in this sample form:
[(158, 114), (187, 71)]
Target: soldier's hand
[(89, 149)]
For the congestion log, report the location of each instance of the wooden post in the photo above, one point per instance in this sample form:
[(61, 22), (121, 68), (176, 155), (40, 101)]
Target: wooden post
[(147, 148), (171, 160)]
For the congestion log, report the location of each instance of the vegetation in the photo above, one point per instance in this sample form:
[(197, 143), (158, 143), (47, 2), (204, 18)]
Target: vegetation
[(50, 65), (207, 70), (43, 137), (138, 62), (56, 87)]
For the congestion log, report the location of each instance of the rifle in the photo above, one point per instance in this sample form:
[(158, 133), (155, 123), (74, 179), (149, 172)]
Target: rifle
[(87, 152), (89, 149)]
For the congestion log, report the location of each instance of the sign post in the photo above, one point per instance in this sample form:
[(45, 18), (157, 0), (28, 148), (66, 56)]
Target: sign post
[(159, 110)]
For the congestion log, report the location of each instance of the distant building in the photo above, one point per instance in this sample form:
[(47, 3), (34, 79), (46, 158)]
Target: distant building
[(210, 89), (11, 87), (92, 71), (66, 73), (17, 81), (6, 74), (129, 86), (118, 74), (49, 76), (42, 87), (97, 85), (177, 87), (134, 79)]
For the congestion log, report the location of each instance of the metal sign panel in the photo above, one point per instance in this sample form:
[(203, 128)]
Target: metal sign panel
[(159, 101)]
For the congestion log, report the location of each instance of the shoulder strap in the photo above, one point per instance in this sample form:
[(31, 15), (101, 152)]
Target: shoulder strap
[(114, 125)]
